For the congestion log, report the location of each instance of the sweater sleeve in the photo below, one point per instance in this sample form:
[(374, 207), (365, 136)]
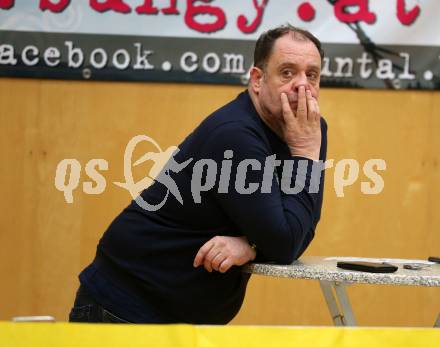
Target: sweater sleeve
[(262, 204)]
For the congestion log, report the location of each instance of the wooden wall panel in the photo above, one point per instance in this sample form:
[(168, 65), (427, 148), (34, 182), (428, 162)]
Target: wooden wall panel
[(46, 242)]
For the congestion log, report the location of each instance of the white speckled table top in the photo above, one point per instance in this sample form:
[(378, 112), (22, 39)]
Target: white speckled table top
[(324, 269)]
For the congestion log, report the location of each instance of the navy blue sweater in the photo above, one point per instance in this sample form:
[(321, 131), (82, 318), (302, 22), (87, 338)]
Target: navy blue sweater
[(144, 260)]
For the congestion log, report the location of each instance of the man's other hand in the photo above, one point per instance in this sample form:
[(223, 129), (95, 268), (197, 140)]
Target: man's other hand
[(222, 252)]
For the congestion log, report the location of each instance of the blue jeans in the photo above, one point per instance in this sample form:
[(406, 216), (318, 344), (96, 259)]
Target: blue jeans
[(87, 310)]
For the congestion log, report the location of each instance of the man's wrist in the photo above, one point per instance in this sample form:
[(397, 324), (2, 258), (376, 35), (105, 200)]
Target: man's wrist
[(314, 155)]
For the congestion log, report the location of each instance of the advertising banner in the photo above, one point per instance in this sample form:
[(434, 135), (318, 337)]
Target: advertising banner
[(391, 44)]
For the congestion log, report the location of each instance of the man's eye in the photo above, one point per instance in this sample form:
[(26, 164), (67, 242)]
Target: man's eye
[(312, 76), (287, 73)]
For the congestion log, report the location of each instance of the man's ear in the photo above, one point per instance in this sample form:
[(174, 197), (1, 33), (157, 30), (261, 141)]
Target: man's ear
[(256, 77)]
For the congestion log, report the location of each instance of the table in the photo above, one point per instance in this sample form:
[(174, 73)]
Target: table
[(333, 281)]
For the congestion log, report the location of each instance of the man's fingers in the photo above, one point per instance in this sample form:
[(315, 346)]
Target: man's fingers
[(318, 112), (207, 265), (301, 112), (287, 110), (225, 265), (313, 113), (222, 252), (203, 251), (209, 258), (311, 107), (218, 259)]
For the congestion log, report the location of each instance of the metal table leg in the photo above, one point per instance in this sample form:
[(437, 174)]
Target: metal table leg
[(338, 304), (437, 322)]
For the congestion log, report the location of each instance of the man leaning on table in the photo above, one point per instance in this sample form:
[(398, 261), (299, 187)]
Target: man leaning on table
[(182, 263)]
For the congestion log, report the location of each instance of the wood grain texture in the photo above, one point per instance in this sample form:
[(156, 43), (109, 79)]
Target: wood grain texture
[(46, 242)]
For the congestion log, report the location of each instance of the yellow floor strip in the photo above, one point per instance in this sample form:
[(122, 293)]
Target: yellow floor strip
[(95, 335)]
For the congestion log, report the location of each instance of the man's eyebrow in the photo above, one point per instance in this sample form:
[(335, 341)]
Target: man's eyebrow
[(292, 64), (314, 67), (287, 64)]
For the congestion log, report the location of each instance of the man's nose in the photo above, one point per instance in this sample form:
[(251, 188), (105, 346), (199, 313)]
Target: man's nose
[(300, 80)]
